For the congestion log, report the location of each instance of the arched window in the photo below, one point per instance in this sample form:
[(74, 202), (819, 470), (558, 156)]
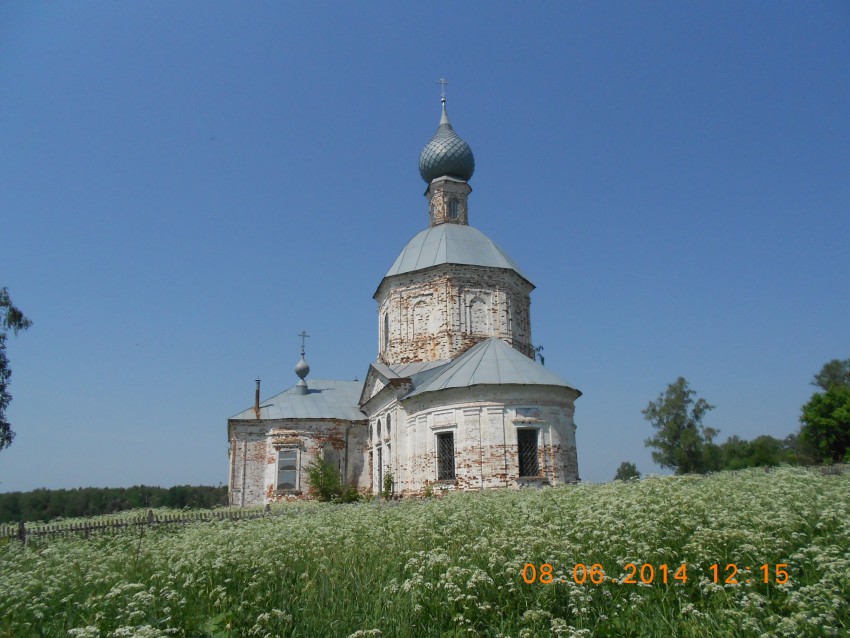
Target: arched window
[(420, 319), (379, 428), (389, 423), (478, 316)]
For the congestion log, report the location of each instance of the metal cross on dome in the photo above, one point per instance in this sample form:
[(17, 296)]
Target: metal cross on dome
[(442, 82), (303, 334)]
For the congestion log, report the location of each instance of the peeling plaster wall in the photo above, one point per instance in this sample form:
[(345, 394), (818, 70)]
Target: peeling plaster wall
[(254, 447), (484, 421), (440, 312)]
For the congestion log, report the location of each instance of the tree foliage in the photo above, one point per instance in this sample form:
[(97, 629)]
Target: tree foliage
[(763, 451), (44, 505), (626, 471), (681, 441), (326, 483), (825, 423), (833, 373), (10, 319)]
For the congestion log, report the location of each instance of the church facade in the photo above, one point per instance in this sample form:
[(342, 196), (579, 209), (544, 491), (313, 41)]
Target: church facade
[(455, 399)]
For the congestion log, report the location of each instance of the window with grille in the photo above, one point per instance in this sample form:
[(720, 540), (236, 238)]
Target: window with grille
[(287, 469), (446, 457), (527, 443)]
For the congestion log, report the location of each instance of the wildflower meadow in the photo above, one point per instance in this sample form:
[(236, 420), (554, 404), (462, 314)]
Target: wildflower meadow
[(764, 554)]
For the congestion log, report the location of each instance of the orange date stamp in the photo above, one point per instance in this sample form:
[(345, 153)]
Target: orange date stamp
[(648, 574)]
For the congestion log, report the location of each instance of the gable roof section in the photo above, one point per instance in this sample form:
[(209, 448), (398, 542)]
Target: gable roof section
[(451, 244), (324, 400), (387, 374), (491, 362)]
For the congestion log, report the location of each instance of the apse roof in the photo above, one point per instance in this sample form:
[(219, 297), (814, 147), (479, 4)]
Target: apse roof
[(324, 400), (491, 362), (451, 244)]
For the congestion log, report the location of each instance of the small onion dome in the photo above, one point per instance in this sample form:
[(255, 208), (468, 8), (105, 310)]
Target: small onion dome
[(446, 154), (301, 368)]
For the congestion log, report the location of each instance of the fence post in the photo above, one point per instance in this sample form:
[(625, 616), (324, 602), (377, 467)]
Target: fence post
[(150, 518), (22, 532)]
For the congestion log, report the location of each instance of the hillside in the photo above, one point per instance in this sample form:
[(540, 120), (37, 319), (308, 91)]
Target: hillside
[(459, 566)]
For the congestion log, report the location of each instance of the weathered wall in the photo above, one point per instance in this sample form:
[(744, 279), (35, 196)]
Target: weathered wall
[(440, 312), (254, 447), (447, 201), (484, 421)]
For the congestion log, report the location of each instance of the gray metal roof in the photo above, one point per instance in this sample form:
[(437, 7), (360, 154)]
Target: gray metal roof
[(404, 370), (324, 400), (451, 244), (491, 362), (446, 154)]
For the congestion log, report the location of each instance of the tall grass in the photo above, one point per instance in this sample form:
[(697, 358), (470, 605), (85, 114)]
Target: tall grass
[(453, 567)]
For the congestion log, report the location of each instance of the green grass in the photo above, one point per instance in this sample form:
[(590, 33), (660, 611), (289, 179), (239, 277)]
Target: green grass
[(452, 567)]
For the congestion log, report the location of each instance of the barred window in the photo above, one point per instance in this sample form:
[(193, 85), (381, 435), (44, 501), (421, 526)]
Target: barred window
[(446, 456), (287, 470), (527, 444)]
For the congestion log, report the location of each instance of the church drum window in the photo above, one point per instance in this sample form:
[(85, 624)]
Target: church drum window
[(527, 448), (478, 316), (446, 456), (386, 331), (287, 470), (420, 318), (454, 209)]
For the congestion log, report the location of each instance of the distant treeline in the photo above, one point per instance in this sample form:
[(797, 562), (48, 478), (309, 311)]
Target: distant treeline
[(737, 453), (44, 505)]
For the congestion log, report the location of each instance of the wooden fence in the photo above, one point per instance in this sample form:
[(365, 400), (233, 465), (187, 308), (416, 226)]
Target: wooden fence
[(23, 532)]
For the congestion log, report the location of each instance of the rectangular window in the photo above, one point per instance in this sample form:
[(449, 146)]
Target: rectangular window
[(446, 456), (527, 444), (287, 469)]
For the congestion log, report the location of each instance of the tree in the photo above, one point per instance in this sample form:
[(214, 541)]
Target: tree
[(826, 423), (326, 483), (681, 441), (836, 372), (626, 471), (765, 450), (14, 320)]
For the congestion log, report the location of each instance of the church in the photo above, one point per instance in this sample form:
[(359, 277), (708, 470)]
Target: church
[(455, 400)]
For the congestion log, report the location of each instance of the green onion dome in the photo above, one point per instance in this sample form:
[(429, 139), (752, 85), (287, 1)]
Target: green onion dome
[(446, 154)]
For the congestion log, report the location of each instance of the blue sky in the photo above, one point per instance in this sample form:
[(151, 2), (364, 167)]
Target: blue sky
[(186, 186)]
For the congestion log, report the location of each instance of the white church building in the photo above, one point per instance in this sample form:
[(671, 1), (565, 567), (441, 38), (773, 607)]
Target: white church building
[(455, 399)]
